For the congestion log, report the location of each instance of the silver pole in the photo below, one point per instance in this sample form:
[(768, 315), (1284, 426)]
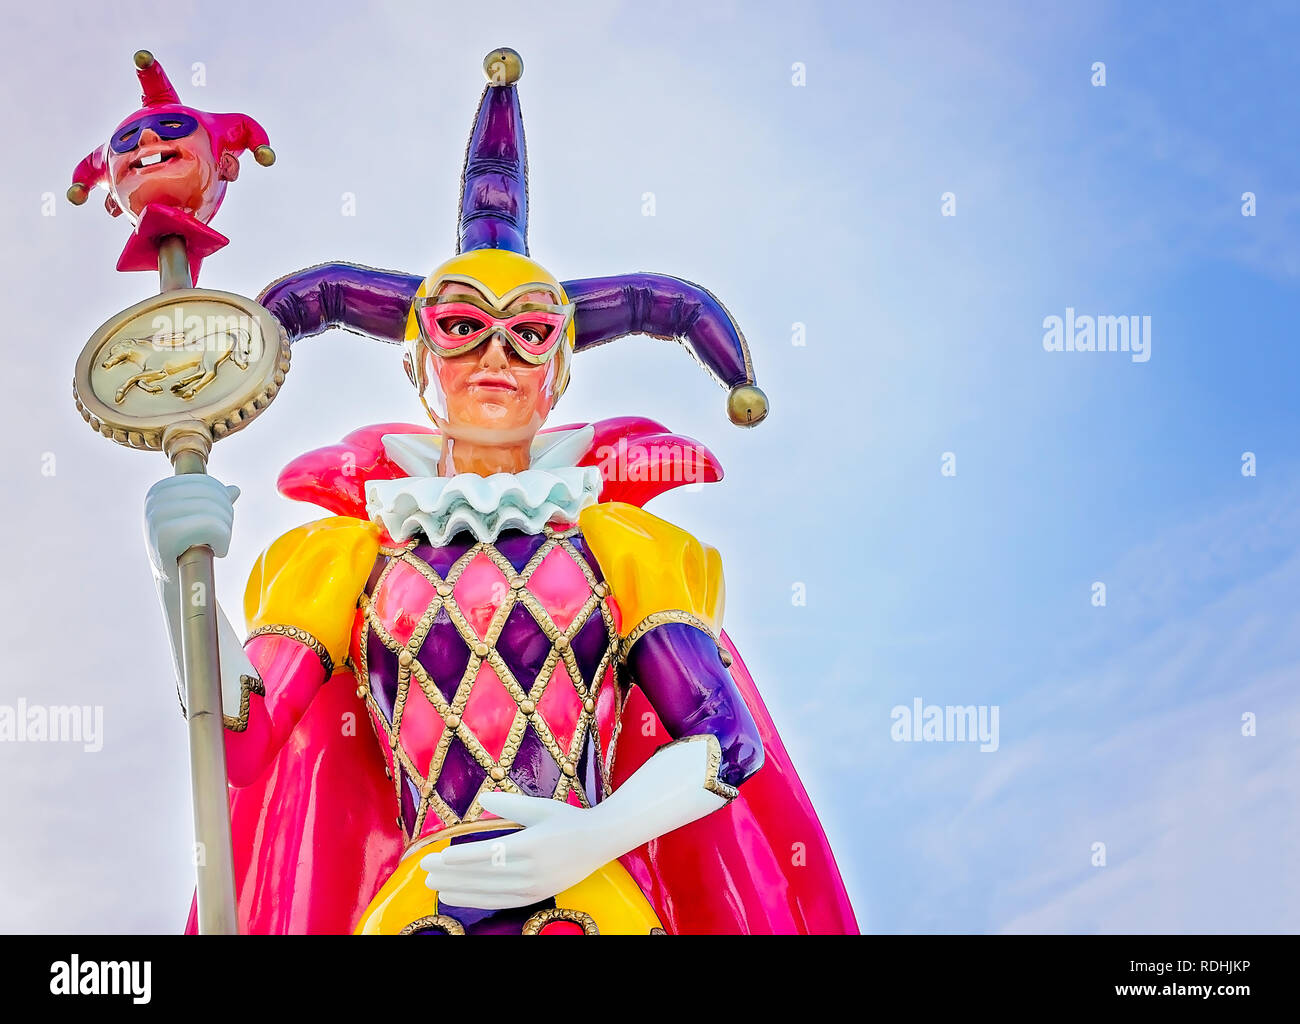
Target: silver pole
[(188, 445)]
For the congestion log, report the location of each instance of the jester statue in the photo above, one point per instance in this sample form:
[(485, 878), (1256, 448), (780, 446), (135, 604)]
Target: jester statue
[(555, 735), (166, 167)]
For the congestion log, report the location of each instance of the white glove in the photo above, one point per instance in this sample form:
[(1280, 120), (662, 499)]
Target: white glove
[(181, 512), (560, 844)]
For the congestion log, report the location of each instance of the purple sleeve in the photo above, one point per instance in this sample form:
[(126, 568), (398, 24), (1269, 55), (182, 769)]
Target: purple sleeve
[(680, 671), (362, 299)]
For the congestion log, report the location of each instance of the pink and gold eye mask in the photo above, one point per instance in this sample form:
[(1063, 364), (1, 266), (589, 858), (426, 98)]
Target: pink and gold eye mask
[(456, 323)]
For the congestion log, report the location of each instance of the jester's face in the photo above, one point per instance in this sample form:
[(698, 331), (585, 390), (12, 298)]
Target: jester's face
[(165, 157), (488, 344)]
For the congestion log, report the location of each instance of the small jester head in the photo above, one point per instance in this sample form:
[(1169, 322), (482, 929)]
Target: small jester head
[(168, 154)]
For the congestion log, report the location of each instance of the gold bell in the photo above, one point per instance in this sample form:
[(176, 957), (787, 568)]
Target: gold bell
[(747, 405), (503, 66)]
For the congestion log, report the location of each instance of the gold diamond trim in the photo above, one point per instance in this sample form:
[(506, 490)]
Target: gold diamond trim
[(410, 671)]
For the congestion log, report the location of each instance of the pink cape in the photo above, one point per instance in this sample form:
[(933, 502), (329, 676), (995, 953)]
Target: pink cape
[(317, 835)]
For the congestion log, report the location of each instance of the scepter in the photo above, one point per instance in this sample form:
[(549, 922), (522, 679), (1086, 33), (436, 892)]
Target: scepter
[(175, 373)]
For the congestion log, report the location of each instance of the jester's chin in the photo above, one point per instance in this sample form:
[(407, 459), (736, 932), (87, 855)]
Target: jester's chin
[(178, 182)]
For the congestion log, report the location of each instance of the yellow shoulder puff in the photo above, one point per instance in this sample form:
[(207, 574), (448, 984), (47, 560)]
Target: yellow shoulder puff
[(653, 566), (311, 578)]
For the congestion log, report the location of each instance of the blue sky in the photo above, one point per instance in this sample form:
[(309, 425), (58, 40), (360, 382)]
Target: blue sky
[(819, 205)]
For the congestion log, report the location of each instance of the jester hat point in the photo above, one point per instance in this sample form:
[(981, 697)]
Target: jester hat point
[(228, 133), (492, 250)]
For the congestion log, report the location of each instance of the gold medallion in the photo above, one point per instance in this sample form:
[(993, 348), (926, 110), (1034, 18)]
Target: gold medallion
[(193, 354)]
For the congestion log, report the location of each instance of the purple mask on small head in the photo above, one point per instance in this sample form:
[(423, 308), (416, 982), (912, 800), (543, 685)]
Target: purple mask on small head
[(165, 126)]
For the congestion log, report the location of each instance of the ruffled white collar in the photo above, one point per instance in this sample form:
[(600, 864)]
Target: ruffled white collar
[(551, 489)]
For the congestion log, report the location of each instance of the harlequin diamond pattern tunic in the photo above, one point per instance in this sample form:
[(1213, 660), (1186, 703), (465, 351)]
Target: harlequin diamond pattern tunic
[(489, 666), (466, 695)]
